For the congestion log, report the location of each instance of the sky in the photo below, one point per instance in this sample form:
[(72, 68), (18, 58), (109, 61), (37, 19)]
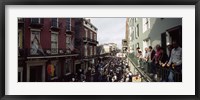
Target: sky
[(110, 30)]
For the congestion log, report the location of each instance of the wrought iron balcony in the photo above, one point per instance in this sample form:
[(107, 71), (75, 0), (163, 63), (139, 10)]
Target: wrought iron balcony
[(86, 39), (45, 52), (94, 41), (91, 41)]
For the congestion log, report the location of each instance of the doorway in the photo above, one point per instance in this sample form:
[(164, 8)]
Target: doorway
[(36, 74), (78, 66), (176, 34)]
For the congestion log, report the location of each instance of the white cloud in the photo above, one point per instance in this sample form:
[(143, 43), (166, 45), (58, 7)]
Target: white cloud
[(110, 29)]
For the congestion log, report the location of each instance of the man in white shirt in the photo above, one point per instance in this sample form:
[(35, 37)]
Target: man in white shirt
[(175, 61)]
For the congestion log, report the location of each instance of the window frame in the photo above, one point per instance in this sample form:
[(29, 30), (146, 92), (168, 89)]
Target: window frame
[(55, 33)]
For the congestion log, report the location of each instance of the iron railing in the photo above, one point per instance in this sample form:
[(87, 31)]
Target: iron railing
[(45, 52), (162, 72)]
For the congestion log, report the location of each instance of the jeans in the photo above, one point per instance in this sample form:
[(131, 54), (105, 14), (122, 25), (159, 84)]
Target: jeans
[(171, 76)]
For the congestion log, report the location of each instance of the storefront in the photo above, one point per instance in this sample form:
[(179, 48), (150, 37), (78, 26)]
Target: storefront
[(35, 70)]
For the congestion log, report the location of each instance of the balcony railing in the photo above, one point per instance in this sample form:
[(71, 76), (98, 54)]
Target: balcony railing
[(162, 72), (92, 41), (86, 39), (45, 52)]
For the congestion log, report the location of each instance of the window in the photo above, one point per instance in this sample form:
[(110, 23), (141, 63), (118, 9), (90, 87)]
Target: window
[(68, 40), (54, 43), (91, 51), (20, 39), (146, 24), (35, 20), (132, 35), (85, 50), (68, 24), (86, 33), (95, 48), (54, 22), (136, 19), (35, 42), (91, 34), (137, 30), (95, 36), (137, 45)]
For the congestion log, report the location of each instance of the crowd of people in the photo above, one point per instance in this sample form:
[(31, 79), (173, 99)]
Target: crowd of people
[(159, 59), (114, 69), (117, 70)]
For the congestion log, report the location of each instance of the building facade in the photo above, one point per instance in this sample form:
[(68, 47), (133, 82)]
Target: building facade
[(107, 49), (46, 49), (145, 32), (86, 43), (124, 45)]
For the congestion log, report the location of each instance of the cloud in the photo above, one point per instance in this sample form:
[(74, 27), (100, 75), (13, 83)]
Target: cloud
[(110, 30)]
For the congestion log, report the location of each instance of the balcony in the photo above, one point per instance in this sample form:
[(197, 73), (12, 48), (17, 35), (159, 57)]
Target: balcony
[(145, 70), (94, 41), (46, 53), (86, 39), (89, 57), (36, 23)]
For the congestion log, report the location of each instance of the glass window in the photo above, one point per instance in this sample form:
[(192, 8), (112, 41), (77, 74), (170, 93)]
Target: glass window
[(91, 51), (86, 33), (20, 39), (35, 20), (54, 22), (137, 30), (146, 24), (91, 34), (54, 43), (95, 50), (95, 36), (68, 41), (35, 42), (85, 50), (68, 24)]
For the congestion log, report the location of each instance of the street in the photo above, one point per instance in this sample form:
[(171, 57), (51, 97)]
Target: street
[(112, 69)]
